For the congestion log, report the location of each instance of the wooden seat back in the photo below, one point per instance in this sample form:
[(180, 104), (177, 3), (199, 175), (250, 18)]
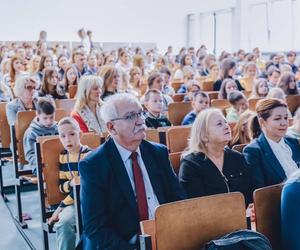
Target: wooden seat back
[(190, 224), (247, 83), (148, 227), (175, 161), (220, 104), (207, 85), (178, 97), (72, 91), (267, 204), (212, 95), (24, 118), (177, 111), (252, 102), (177, 138), (66, 104), (50, 150), (4, 126), (152, 135), (293, 102), (23, 121)]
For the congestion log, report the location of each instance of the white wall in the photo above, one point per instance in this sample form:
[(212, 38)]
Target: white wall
[(160, 21)]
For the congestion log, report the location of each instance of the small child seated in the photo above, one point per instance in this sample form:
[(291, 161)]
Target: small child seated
[(200, 102), (154, 105), (43, 124), (192, 88), (64, 215), (188, 75), (239, 105)]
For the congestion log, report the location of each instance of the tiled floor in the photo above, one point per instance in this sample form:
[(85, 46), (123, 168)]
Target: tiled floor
[(30, 205)]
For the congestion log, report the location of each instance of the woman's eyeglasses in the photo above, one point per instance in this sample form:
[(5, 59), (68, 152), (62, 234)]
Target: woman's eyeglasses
[(29, 87)]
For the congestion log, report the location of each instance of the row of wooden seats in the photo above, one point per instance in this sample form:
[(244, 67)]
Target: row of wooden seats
[(177, 155), (48, 149), (218, 214), (17, 131), (211, 217), (217, 218)]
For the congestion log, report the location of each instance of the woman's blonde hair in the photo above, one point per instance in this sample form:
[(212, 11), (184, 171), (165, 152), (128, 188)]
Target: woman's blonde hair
[(107, 73), (69, 121), (32, 68), (199, 132), (238, 133), (4, 65), (84, 88)]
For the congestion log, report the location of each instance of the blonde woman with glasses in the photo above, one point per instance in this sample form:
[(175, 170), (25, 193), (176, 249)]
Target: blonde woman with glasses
[(24, 90)]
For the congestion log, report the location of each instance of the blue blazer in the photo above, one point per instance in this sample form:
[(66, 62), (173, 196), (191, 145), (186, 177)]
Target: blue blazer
[(290, 216), (265, 169), (109, 208)]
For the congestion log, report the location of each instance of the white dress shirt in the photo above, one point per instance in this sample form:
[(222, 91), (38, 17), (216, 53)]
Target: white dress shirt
[(151, 197), (283, 153)]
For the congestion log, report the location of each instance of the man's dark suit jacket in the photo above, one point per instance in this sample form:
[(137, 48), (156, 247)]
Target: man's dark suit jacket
[(109, 209), (265, 169)]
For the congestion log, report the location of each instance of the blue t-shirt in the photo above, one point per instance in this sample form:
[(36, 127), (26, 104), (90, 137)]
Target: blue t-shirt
[(189, 118)]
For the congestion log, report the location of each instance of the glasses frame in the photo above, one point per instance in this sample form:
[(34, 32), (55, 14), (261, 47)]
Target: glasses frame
[(131, 117)]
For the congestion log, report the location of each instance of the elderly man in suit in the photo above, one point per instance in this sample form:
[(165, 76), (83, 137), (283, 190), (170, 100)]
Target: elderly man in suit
[(124, 180)]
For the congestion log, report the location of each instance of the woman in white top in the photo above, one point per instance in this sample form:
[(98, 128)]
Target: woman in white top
[(272, 157)]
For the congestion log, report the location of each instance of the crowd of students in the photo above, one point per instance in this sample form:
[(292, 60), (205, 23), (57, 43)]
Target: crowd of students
[(32, 77)]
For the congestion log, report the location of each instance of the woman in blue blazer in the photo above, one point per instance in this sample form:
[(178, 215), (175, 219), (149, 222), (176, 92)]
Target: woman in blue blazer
[(290, 216), (272, 156)]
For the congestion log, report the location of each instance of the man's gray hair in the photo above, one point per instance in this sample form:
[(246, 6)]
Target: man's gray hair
[(109, 110)]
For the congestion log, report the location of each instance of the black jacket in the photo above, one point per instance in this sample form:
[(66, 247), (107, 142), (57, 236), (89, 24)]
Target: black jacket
[(218, 83), (109, 208), (156, 122), (200, 177)]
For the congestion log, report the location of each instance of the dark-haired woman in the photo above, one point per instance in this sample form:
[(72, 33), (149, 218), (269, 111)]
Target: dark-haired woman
[(272, 157), (227, 70), (51, 86)]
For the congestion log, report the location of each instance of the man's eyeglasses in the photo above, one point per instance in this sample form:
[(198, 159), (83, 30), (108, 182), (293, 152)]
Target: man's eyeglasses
[(132, 116)]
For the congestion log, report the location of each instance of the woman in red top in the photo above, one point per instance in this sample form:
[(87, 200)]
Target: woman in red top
[(88, 103)]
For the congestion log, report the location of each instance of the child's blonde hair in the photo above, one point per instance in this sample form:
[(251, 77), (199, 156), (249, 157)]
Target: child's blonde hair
[(147, 94), (69, 121)]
